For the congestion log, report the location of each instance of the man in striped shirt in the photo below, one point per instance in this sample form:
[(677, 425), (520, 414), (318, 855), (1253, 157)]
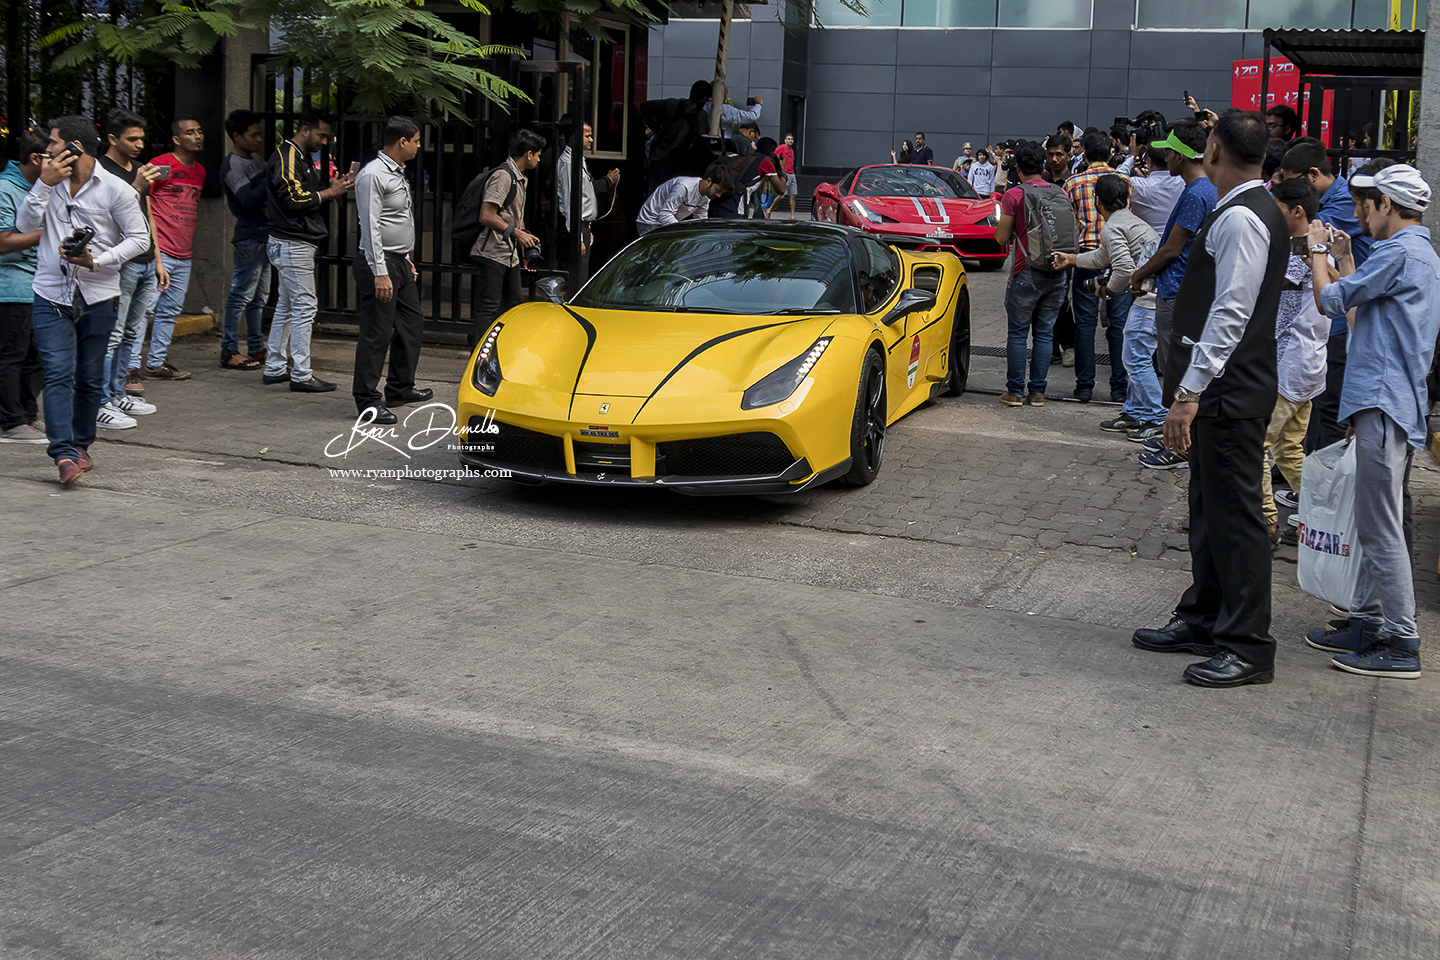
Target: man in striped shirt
[(1081, 188)]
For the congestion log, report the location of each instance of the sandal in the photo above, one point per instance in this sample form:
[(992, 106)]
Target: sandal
[(236, 362)]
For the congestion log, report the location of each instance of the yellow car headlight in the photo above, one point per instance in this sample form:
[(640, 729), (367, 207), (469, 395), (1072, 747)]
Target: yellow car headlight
[(783, 382), (487, 363)]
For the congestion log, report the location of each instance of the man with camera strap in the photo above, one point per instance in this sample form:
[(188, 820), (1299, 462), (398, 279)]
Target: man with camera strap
[(90, 223)]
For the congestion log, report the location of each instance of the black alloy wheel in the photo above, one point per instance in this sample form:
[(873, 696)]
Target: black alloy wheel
[(867, 429), (958, 377)]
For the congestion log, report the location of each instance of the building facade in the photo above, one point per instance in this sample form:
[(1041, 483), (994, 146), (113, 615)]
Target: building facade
[(851, 87)]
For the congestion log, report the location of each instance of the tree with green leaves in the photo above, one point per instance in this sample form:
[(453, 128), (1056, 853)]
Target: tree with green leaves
[(387, 55)]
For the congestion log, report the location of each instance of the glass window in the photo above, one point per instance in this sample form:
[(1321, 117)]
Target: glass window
[(883, 13), (1375, 14), (1217, 14), (709, 270), (1045, 13), (912, 181), (949, 13), (606, 68), (1300, 14), (877, 271)]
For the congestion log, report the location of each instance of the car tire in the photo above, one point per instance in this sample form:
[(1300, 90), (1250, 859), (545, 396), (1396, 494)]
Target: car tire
[(867, 427), (958, 377)]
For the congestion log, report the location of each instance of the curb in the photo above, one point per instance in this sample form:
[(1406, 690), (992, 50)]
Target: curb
[(187, 324)]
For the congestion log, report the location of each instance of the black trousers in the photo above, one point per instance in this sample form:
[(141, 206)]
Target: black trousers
[(20, 373), (563, 239), (499, 288), (1229, 544), (395, 325), (1325, 426)]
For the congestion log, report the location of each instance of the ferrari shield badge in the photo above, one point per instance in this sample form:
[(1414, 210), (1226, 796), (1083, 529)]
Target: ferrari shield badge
[(914, 361), (604, 408)]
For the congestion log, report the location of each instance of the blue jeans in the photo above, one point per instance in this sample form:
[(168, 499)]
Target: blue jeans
[(137, 297), (1086, 318), (1117, 309), (1032, 302), (72, 340), (294, 311), (168, 307), (249, 286), (1143, 399)]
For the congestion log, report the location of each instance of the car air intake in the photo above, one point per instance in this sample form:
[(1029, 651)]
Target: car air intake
[(515, 445), (735, 455)]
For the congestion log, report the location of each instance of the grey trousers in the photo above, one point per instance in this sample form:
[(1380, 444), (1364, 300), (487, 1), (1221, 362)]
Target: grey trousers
[(1385, 593)]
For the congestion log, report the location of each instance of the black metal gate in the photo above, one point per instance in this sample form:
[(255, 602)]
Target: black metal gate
[(452, 153)]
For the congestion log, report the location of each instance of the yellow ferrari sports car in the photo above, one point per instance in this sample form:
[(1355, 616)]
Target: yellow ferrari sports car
[(720, 357)]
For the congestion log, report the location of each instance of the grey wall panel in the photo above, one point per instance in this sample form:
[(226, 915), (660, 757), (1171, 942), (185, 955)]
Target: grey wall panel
[(1052, 48), (1114, 14), (767, 40), (1032, 117), (964, 79), (938, 48), (1184, 51), (1111, 84), (1102, 111), (852, 78), (1109, 49), (655, 49), (846, 148), (939, 114), (795, 77), (1162, 89), (853, 46), (1038, 82), (870, 111)]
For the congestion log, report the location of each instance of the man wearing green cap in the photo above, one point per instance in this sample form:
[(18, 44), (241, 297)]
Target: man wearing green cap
[(1184, 151)]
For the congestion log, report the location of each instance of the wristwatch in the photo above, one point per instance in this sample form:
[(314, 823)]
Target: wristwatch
[(1319, 248), (1186, 396)]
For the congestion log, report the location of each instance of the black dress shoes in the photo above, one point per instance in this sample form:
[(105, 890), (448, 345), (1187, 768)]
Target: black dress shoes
[(382, 414), (1227, 670), (1177, 636), (413, 395), (278, 378), (313, 385)]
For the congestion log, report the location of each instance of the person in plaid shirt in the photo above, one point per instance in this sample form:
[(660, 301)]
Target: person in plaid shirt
[(1081, 190)]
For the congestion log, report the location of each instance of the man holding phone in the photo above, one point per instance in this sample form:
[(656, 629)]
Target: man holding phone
[(76, 289), (174, 200)]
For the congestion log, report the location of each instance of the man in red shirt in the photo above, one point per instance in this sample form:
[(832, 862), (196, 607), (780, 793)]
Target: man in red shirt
[(173, 205), (784, 157), (1035, 291)]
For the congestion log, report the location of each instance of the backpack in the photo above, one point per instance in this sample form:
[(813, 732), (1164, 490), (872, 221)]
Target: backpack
[(466, 228), (1049, 226)]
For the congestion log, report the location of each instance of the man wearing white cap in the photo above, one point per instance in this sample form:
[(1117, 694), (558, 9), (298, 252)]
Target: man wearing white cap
[(1392, 341)]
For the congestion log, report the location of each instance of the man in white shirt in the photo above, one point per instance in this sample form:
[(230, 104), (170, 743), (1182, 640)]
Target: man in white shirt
[(1221, 379), (1153, 196), (1302, 334), (589, 198), (680, 198), (76, 293)]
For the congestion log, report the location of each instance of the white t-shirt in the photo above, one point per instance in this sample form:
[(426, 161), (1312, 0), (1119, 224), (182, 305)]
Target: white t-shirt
[(1301, 333)]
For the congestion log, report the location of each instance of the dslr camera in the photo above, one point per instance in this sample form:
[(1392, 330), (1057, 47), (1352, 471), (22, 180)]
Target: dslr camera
[(1148, 125), (534, 260), (75, 244)]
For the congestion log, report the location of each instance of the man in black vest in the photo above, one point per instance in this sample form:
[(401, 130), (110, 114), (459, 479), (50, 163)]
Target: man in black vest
[(1220, 383)]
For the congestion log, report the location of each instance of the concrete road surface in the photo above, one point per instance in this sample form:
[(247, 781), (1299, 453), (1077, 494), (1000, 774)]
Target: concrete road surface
[(251, 709)]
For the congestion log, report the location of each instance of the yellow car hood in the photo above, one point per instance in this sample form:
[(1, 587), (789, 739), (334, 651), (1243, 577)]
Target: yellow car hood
[(621, 353)]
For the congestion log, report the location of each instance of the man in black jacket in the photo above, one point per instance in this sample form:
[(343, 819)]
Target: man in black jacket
[(293, 201), (242, 173), (1220, 382)]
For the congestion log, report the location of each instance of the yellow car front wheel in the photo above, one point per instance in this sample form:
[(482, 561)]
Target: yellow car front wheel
[(867, 429)]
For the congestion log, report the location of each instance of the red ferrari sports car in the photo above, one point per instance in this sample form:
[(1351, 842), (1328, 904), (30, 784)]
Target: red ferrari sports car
[(915, 206)]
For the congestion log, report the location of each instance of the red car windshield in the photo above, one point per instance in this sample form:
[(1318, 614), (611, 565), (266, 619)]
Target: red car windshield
[(913, 181)]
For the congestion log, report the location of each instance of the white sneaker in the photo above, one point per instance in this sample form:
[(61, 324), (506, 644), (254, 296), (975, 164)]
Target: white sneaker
[(112, 419), (1287, 499), (134, 406)]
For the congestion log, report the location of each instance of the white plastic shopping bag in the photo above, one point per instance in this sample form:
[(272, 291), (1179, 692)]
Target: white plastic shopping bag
[(1329, 553)]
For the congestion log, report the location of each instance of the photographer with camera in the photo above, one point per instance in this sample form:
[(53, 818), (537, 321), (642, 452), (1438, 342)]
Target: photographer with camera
[(502, 215), (90, 223)]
